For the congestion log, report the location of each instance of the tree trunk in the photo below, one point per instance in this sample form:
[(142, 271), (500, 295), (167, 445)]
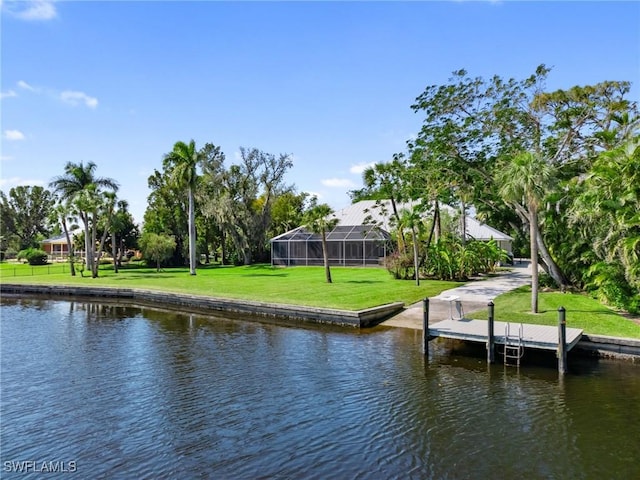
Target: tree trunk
[(403, 241), (533, 232), (551, 267), (72, 267), (114, 252), (438, 232), (101, 247), (87, 240), (463, 221), (120, 251), (94, 239), (192, 234), (325, 254), (415, 255), (222, 247), (436, 210)]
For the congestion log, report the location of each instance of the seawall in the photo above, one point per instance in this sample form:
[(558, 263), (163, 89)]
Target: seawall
[(357, 319)]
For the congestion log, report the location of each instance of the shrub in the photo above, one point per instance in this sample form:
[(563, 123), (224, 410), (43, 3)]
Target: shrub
[(400, 265), (606, 282), (34, 256), (546, 281), (10, 254)]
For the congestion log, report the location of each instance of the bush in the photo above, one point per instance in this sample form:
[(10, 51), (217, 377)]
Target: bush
[(400, 265), (546, 281), (10, 254), (34, 256), (606, 282)]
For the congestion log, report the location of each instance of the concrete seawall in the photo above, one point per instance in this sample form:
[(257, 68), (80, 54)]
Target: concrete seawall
[(614, 347), (356, 319)]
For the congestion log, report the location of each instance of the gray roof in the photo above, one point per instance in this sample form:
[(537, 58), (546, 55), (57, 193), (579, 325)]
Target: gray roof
[(339, 233), (61, 238), (380, 213)]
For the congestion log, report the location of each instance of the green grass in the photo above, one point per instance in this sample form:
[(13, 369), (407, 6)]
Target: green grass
[(352, 288), (582, 312)]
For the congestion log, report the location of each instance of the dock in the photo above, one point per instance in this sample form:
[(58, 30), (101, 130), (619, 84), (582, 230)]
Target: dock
[(533, 336), (514, 337)]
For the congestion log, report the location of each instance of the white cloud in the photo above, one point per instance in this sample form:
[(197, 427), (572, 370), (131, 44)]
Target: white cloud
[(13, 135), (24, 85), (70, 97), (8, 94), (76, 98), (31, 9), (5, 158), (360, 167), (338, 183)]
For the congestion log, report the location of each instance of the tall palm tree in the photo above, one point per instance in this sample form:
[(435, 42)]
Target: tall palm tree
[(411, 219), (526, 179), (64, 212), (118, 224), (79, 181), (186, 158), (318, 220)]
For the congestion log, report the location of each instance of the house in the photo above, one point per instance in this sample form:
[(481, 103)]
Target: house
[(56, 247), (361, 237)]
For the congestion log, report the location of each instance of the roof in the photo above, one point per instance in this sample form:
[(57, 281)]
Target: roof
[(380, 213), (59, 239), (376, 217), (481, 231), (339, 233)]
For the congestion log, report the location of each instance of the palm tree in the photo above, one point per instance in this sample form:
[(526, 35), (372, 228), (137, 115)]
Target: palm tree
[(186, 158), (64, 212), (526, 178), (76, 186), (118, 224), (318, 220), (608, 206), (412, 220), (106, 208)]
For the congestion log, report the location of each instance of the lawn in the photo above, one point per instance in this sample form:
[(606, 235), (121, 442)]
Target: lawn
[(352, 288), (582, 312)]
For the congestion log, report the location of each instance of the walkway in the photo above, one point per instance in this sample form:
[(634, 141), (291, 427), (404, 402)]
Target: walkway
[(474, 296)]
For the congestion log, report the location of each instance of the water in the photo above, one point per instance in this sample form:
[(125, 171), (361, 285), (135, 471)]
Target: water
[(114, 391)]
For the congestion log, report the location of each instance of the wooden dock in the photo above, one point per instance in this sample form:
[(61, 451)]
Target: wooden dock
[(532, 336)]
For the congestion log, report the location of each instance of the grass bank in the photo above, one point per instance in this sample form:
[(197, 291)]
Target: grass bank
[(582, 312), (352, 288)]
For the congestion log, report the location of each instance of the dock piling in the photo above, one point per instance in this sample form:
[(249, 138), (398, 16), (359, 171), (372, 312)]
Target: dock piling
[(425, 325), (562, 341), (490, 336)]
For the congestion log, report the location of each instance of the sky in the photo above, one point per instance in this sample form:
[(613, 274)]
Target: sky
[(332, 83)]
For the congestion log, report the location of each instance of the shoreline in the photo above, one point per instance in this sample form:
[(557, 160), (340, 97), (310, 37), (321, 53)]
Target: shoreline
[(627, 349), (198, 303)]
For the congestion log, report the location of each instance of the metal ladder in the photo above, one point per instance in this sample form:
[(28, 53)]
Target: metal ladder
[(513, 348)]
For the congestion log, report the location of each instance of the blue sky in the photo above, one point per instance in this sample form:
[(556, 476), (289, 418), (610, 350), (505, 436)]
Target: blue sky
[(118, 83)]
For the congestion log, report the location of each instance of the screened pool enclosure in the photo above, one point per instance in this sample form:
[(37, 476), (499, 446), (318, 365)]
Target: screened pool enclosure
[(346, 244)]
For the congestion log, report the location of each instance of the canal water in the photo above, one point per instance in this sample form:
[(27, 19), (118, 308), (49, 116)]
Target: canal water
[(113, 391)]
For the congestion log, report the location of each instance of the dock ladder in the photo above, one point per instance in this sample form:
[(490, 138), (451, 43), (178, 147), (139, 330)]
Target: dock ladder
[(513, 348)]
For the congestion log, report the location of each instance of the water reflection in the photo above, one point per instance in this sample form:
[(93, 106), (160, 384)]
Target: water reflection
[(129, 391)]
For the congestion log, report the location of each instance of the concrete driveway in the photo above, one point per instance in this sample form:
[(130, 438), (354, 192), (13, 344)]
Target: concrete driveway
[(474, 296)]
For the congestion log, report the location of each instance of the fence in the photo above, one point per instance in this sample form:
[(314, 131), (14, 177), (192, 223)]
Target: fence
[(25, 271)]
